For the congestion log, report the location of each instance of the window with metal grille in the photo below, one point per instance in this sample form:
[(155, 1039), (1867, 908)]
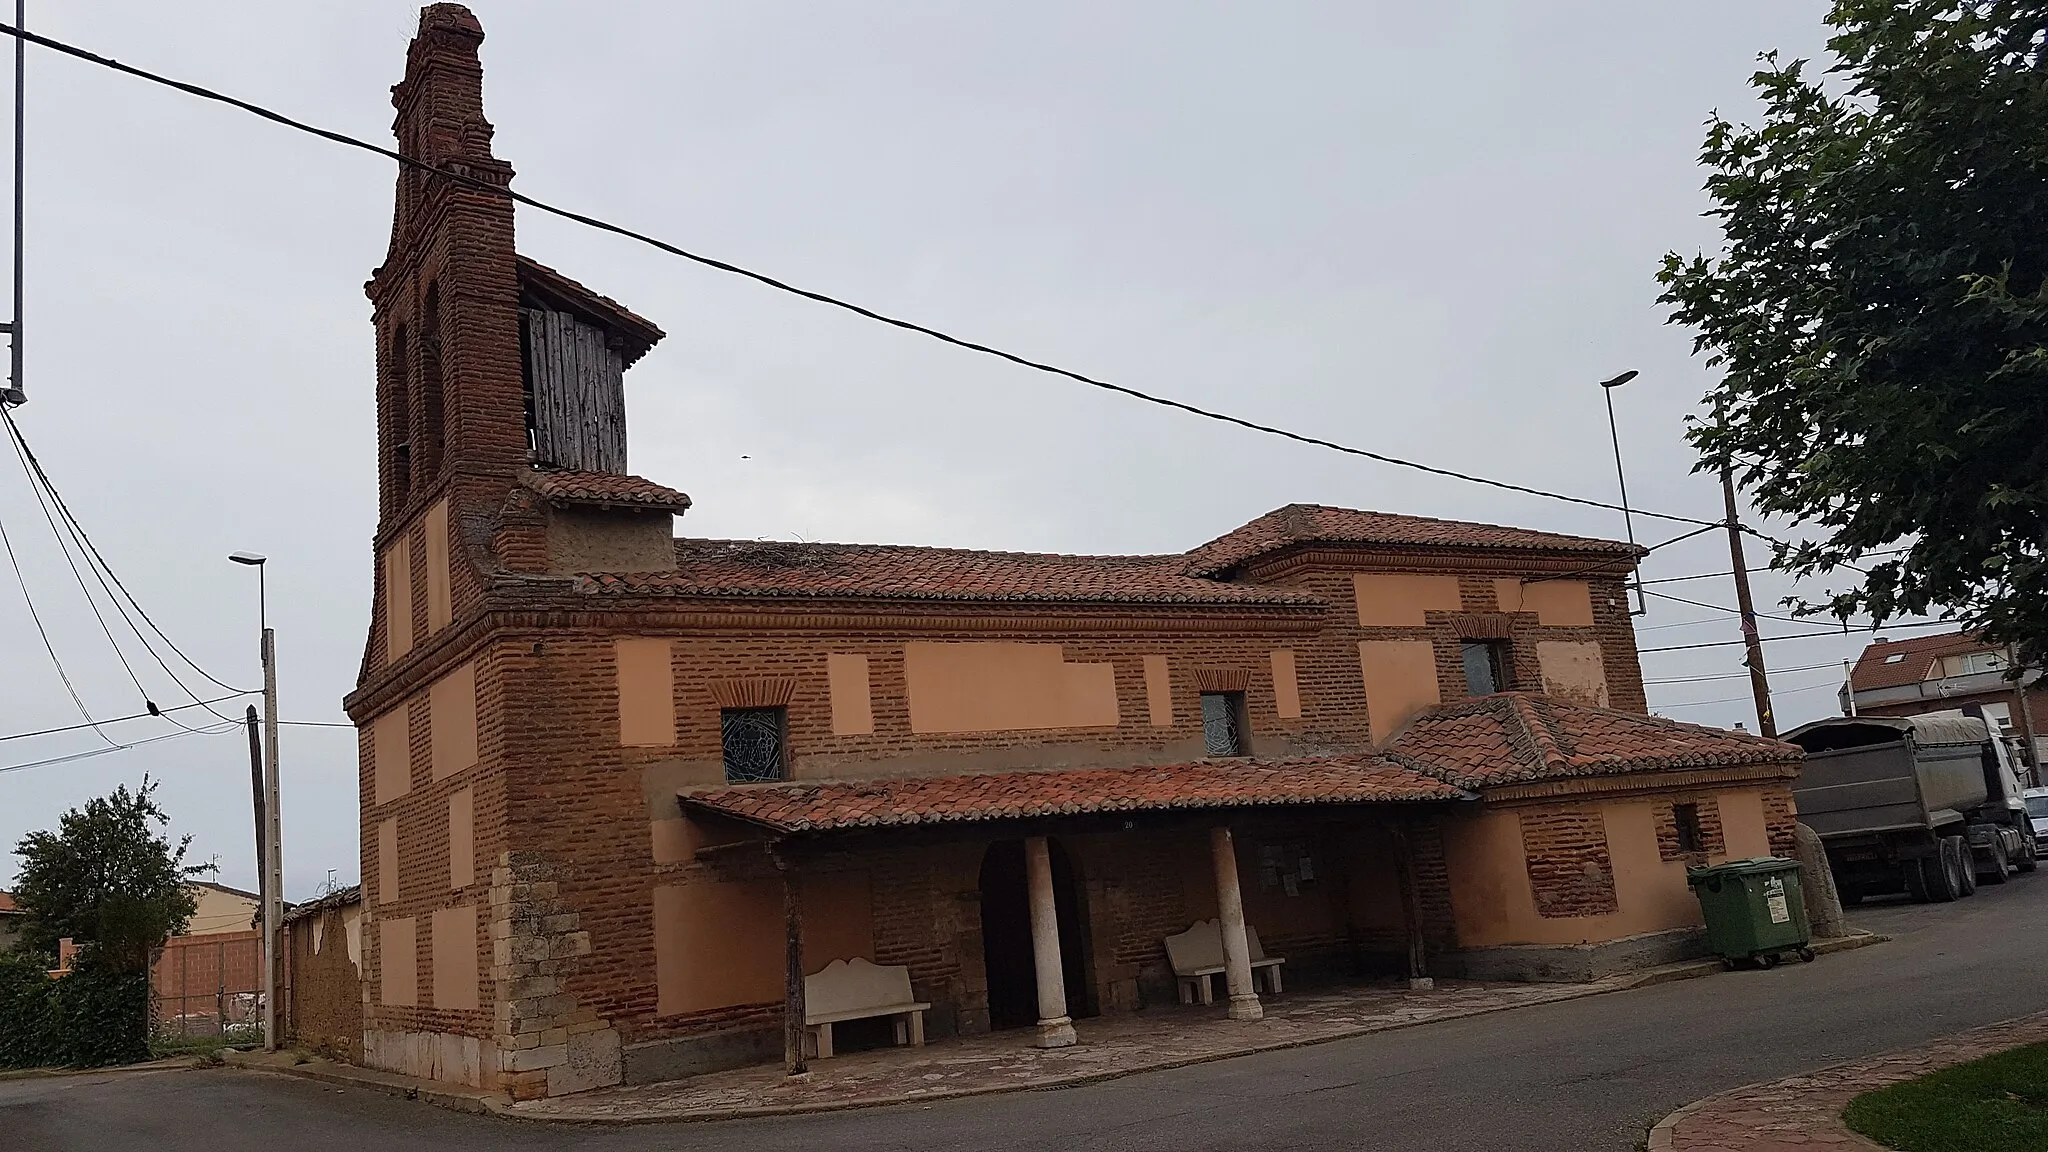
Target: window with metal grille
[(1223, 723), (1686, 817), (1486, 667), (756, 743)]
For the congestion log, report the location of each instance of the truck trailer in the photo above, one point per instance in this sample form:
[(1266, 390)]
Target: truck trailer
[(1928, 804)]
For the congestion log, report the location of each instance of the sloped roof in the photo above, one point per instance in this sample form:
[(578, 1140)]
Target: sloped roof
[(1320, 524), (603, 488), (1214, 784), (559, 293), (1917, 656), (1519, 737), (894, 572), (339, 898)]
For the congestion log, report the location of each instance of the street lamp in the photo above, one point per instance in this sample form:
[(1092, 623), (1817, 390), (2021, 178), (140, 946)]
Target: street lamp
[(1607, 388), (270, 866)]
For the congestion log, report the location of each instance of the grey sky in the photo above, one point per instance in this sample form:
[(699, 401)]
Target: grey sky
[(1422, 228)]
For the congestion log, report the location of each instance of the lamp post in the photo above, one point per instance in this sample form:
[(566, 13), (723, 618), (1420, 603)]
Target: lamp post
[(271, 867), (1607, 388)]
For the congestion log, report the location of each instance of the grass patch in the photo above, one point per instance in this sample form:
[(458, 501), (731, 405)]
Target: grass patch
[(1998, 1102)]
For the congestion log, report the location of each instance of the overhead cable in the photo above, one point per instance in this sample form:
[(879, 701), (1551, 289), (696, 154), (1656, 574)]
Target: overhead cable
[(468, 181)]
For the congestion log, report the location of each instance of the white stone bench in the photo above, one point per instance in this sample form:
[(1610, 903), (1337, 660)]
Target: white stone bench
[(857, 989), (1197, 954)]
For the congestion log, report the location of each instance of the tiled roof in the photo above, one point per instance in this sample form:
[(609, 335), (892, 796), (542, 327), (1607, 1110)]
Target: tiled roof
[(559, 292), (7, 903), (339, 898), (788, 808), (604, 488), (1318, 524), (1917, 656), (1514, 738), (894, 572)]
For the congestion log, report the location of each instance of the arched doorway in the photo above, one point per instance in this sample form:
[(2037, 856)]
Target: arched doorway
[(1006, 936)]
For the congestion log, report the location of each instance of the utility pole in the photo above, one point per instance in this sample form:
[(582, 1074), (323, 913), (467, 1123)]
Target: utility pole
[(15, 394), (272, 862), (1759, 682)]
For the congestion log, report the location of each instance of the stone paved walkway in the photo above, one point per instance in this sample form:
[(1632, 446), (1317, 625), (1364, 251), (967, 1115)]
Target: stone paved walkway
[(1110, 1046), (1805, 1112)]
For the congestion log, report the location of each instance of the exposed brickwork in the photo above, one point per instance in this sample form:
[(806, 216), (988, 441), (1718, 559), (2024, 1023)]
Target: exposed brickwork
[(1781, 821), (323, 1010), (1712, 842), (1569, 870)]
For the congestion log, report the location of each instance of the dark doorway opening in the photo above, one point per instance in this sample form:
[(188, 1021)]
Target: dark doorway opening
[(1006, 936)]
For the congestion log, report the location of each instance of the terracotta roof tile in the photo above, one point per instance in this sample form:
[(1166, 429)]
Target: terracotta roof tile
[(884, 571), (1319, 524), (832, 806), (1917, 655), (1516, 737), (603, 488)]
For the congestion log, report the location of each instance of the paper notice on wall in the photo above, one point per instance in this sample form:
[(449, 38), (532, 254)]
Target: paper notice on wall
[(1780, 911)]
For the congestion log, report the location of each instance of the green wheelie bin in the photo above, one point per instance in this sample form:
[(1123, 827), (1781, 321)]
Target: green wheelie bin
[(1754, 910)]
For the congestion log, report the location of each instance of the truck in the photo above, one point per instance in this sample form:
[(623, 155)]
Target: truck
[(1928, 804)]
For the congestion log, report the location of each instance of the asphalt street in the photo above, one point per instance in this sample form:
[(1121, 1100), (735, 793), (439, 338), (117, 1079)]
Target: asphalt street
[(1585, 1074)]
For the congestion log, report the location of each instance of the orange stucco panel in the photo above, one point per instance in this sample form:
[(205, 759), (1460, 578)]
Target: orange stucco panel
[(455, 957), (1742, 824), (397, 599), (387, 861), (720, 944), (1493, 904), (440, 605), (1399, 599), (398, 972), (647, 693), (391, 753), (672, 841), (853, 705), (461, 839), (1573, 670), (1560, 603), (1159, 692), (1286, 692), (452, 706), (1400, 680), (1004, 687)]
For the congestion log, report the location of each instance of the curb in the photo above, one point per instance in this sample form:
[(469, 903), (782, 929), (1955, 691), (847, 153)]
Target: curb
[(456, 1098)]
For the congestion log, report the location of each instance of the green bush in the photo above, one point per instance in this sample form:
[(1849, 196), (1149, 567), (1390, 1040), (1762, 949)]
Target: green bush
[(88, 1019)]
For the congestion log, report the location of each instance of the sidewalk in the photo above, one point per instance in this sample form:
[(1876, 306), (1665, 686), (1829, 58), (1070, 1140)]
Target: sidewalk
[(1805, 1112), (1111, 1046)]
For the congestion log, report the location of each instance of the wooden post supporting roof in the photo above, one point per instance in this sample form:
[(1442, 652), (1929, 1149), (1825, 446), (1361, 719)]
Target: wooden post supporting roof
[(793, 962), (1411, 905)]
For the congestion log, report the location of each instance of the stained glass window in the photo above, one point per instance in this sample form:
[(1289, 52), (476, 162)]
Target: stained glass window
[(1223, 723), (754, 744)]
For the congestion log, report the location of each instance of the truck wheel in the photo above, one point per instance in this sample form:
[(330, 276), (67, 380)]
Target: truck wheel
[(1917, 874), (1999, 863), (2029, 859), (1966, 867), (1940, 870)]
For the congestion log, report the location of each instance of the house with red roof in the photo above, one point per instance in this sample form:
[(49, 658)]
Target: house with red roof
[(636, 806), (1954, 671), (10, 921)]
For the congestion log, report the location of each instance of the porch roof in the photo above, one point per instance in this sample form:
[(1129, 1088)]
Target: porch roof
[(1217, 784)]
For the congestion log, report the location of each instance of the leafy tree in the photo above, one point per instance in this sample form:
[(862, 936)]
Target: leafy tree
[(1879, 309), (108, 880)]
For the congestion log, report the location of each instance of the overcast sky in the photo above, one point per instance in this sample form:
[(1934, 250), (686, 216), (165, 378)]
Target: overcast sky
[(1427, 229)]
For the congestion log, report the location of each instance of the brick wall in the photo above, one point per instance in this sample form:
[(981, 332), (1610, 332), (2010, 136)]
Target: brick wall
[(1569, 870)]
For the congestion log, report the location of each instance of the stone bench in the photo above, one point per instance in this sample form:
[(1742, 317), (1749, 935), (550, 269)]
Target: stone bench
[(858, 989), (1197, 954)]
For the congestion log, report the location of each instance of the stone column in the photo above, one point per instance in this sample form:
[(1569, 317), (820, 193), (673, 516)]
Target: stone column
[(1055, 1027), (1237, 951)]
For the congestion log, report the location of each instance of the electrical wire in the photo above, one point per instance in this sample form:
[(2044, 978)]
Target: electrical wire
[(490, 187), (1740, 675), (1775, 692), (209, 730), (1793, 636), (1733, 611), (114, 720), (43, 632)]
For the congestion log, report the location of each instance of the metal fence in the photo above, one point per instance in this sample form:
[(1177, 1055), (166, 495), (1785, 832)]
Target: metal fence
[(209, 985)]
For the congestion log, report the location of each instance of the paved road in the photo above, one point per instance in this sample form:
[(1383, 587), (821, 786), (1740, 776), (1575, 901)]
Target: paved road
[(1586, 1074)]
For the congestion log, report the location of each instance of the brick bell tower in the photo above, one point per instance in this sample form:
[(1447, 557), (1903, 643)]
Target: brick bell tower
[(451, 414)]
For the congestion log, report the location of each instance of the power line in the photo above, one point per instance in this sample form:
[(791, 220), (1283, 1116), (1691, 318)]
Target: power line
[(1732, 611), (209, 730), (43, 632), (486, 186), (1793, 636), (115, 720), (1739, 675), (1742, 699)]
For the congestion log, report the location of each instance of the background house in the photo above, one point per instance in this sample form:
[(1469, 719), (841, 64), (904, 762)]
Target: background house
[(10, 921), (1955, 671), (221, 909)]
